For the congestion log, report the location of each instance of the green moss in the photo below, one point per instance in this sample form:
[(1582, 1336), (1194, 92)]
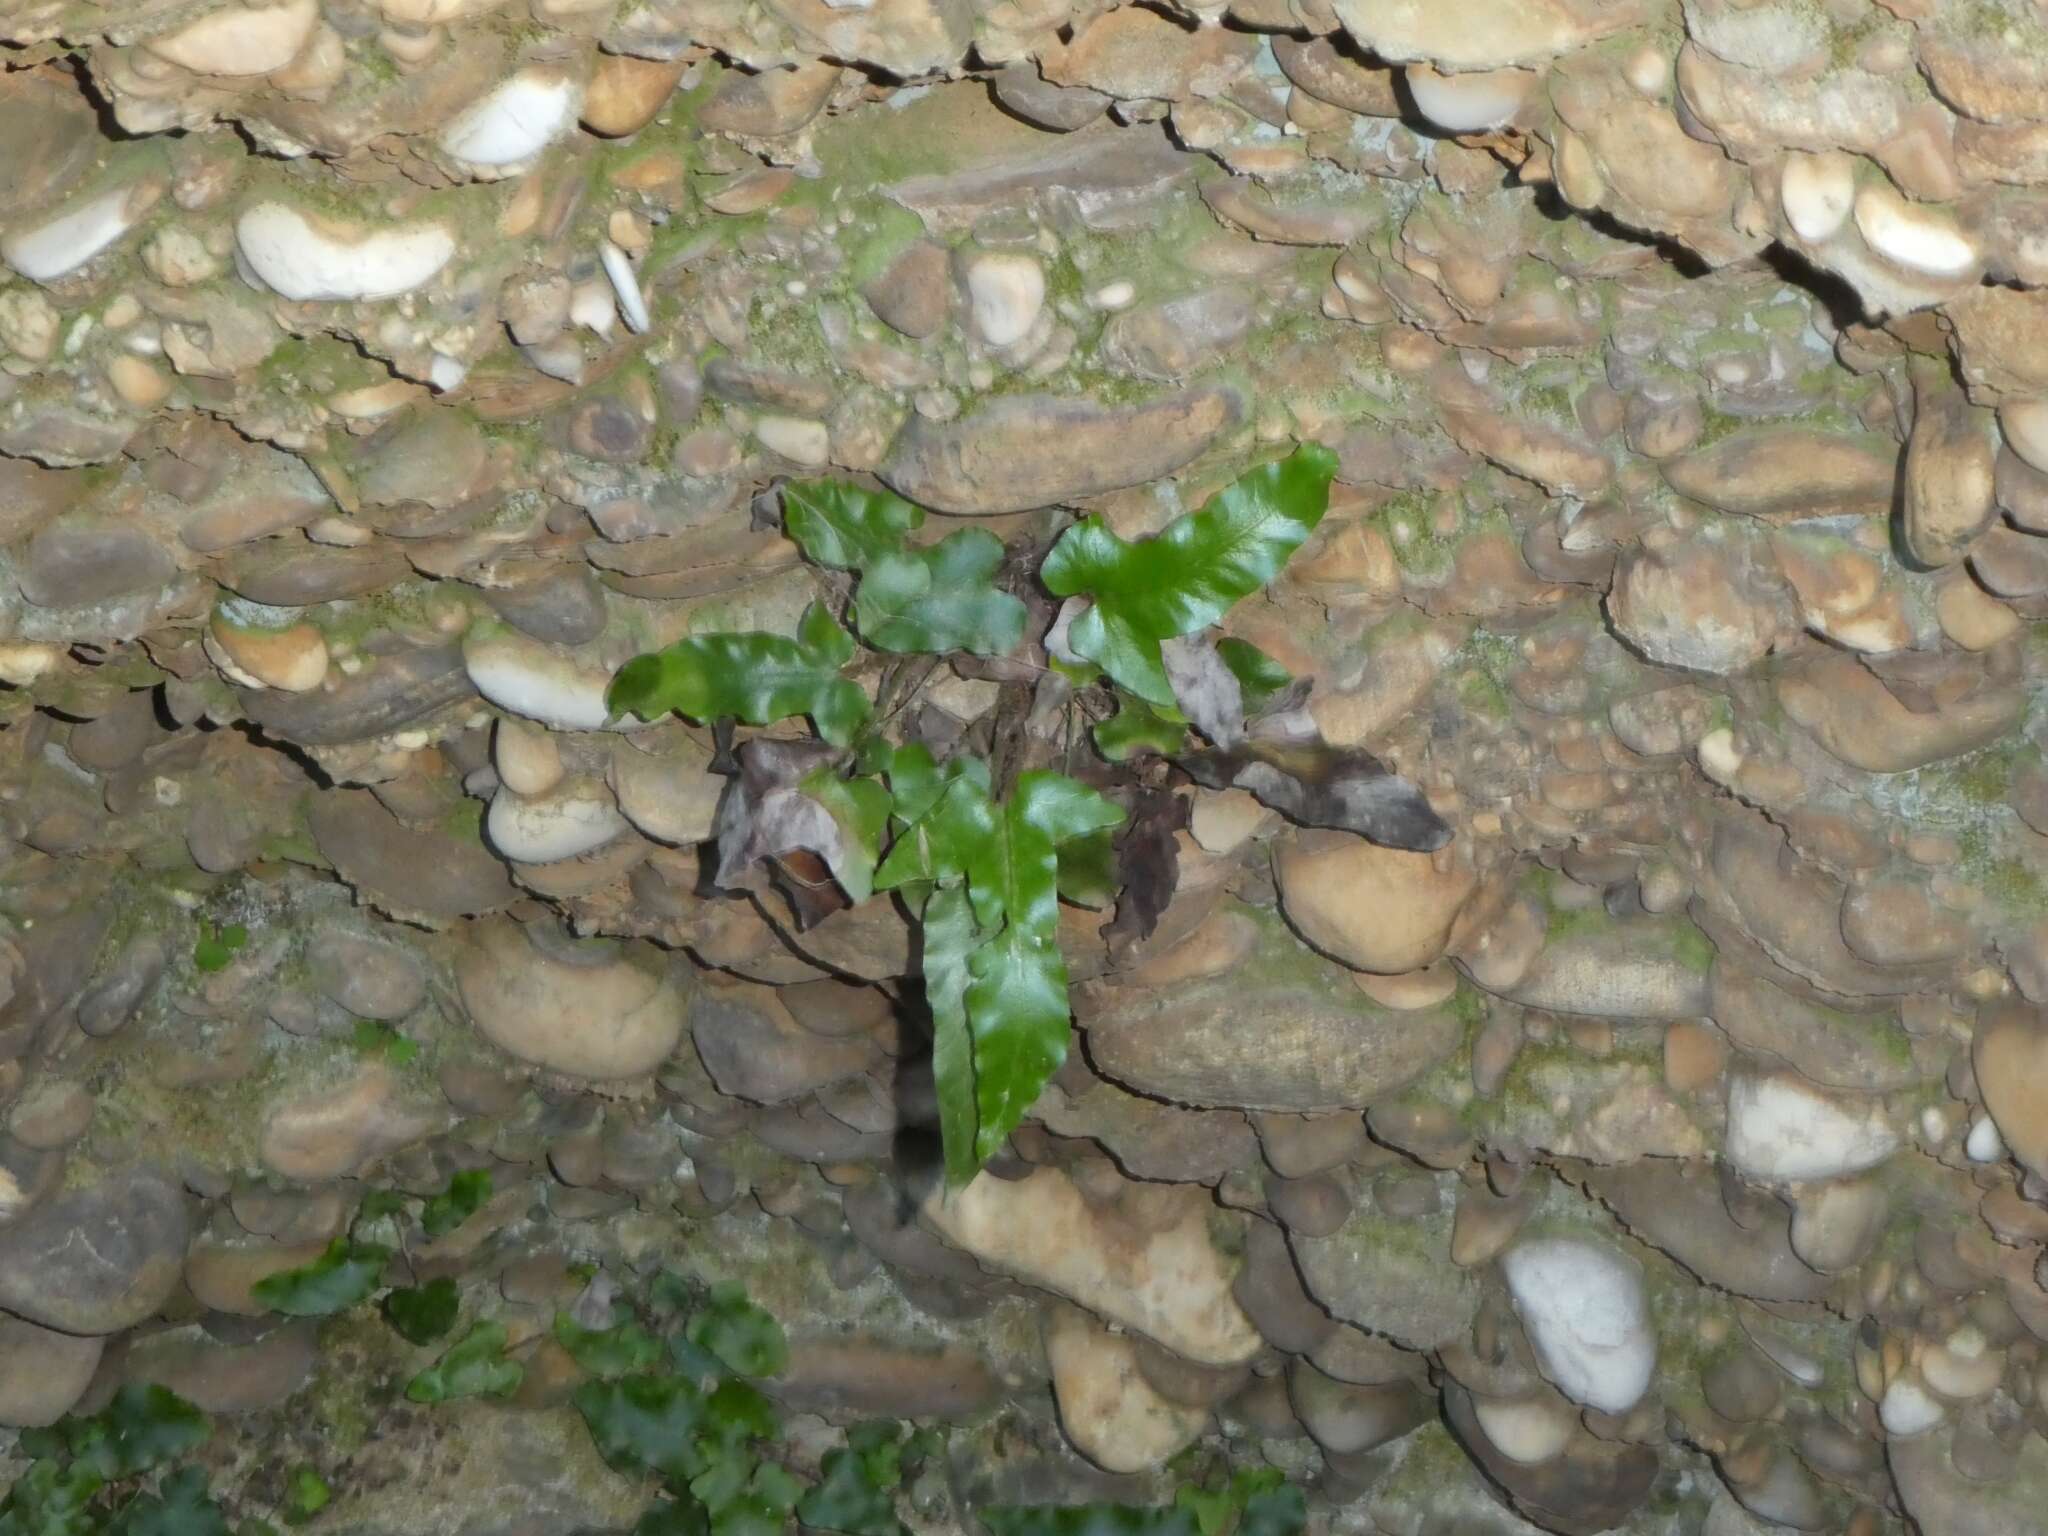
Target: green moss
[(1692, 948)]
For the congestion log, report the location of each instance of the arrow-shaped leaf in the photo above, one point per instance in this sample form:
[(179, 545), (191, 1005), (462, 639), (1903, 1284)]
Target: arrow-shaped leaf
[(752, 676), (1187, 576)]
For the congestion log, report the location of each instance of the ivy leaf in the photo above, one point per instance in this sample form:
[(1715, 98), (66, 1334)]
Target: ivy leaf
[(745, 1337), (645, 1423), (1186, 577), (736, 1413), (1086, 1520), (847, 1499), (181, 1506), (1139, 727), (142, 1426), (1260, 677), (673, 1517), (306, 1494), (463, 1198), (421, 1314), (752, 676), (930, 600), (473, 1367), (940, 599), (1279, 1511), (342, 1276), (215, 949), (49, 1499), (614, 1351), (761, 1508)]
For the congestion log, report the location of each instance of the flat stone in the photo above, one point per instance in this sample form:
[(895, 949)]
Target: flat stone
[(1677, 1206), (1865, 1051), (872, 1378), (1111, 1413), (82, 559), (755, 1050), (370, 979), (218, 1377), (1652, 968), (1021, 452), (98, 1259), (1389, 1276), (337, 1132), (43, 1373), (1165, 1279), (1783, 474), (1322, 1044), (598, 1011), (394, 691), (1101, 181), (434, 876)]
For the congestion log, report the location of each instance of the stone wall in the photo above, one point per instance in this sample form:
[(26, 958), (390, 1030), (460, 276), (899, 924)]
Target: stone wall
[(1667, 1155)]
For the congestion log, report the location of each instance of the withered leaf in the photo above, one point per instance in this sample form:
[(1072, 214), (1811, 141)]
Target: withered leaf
[(1318, 785), (1147, 865)]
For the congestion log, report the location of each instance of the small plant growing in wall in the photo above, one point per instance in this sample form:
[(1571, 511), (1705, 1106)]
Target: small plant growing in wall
[(982, 838)]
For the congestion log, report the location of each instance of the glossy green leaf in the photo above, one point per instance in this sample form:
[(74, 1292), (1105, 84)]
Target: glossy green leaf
[(342, 1276), (1013, 1000), (615, 1351), (422, 1314), (881, 1446), (1088, 870), (846, 526), (949, 938), (181, 1506), (647, 1422), (745, 1337), (1138, 727), (1186, 577), (306, 1494), (474, 1366), (463, 1198), (940, 811), (377, 1204), (940, 599), (860, 807), (1257, 674), (932, 600), (752, 676)]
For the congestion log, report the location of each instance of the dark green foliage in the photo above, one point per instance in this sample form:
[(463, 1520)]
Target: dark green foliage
[(342, 1276), (1138, 726), (474, 1366), (753, 676), (1186, 577), (1258, 675), (463, 1198), (374, 1038), (79, 1464), (306, 1494), (422, 1314), (216, 948), (932, 600), (615, 1351), (745, 1338)]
